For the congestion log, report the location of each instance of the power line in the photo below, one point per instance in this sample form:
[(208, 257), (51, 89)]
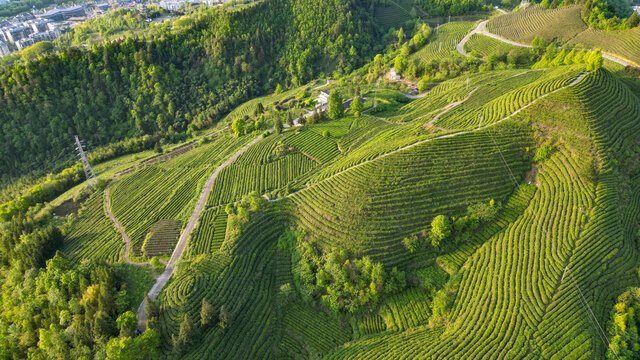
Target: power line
[(503, 159), (601, 333)]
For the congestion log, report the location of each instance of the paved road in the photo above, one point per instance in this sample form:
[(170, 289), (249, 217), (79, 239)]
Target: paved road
[(576, 80), (107, 199), (481, 29), (193, 220), (184, 236), (468, 36)]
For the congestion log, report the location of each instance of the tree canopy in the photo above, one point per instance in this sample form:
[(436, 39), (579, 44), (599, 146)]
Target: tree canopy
[(176, 82)]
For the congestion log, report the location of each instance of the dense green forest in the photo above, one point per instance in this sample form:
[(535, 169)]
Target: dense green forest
[(57, 309), (178, 81)]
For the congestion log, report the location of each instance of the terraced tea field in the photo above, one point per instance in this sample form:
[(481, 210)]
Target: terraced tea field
[(498, 100), (566, 26), (386, 200), (442, 43), (392, 14), (552, 151), (91, 235), (561, 24), (165, 190), (477, 207), (161, 238), (247, 108), (569, 223), (209, 235), (624, 43), (485, 46)]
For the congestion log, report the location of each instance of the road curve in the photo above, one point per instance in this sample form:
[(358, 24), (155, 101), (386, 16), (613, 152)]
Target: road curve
[(406, 147), (464, 40), (481, 29)]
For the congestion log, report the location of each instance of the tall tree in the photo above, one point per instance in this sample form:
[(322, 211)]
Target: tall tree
[(277, 125), (127, 323), (238, 126), (336, 108), (150, 308), (207, 313), (224, 317), (356, 106), (289, 118), (440, 229)]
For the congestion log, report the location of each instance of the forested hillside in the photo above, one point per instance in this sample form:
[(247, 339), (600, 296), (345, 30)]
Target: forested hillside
[(176, 81)]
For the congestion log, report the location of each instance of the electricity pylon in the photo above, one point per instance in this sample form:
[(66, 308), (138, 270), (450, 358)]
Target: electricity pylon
[(92, 181)]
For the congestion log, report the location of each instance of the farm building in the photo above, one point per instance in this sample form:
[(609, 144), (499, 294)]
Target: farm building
[(393, 75), (322, 98)]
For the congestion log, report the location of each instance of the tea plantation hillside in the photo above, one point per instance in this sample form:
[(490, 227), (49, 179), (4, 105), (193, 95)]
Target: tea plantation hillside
[(540, 196), (480, 205), (565, 25)]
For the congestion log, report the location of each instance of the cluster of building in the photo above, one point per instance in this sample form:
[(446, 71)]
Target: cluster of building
[(26, 30), (29, 28), (174, 5)]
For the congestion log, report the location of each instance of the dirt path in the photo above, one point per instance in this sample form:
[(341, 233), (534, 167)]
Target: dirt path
[(107, 199), (441, 110), (186, 233), (451, 106), (481, 29), (329, 82), (127, 241), (406, 147), (500, 10)]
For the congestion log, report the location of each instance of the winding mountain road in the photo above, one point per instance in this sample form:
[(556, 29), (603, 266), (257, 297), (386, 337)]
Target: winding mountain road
[(193, 220), (481, 29), (107, 199)]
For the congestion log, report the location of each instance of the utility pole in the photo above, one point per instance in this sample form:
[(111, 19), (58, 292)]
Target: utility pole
[(375, 96), (92, 181)]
